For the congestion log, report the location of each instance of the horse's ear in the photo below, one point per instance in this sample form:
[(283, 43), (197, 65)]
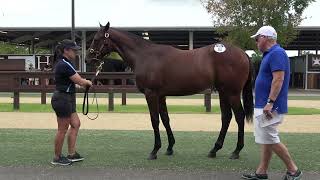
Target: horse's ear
[(107, 26), (100, 25)]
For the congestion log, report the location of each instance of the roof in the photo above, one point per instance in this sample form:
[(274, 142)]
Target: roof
[(308, 36)]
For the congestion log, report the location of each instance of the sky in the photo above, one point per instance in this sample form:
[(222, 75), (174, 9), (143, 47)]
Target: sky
[(120, 13)]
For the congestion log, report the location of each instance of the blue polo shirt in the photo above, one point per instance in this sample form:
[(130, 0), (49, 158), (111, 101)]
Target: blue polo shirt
[(275, 59), (62, 71)]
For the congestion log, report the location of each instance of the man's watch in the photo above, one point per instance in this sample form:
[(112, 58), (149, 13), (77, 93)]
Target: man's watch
[(270, 101)]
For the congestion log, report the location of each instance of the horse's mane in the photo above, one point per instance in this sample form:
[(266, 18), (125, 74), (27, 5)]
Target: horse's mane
[(137, 39), (140, 40)]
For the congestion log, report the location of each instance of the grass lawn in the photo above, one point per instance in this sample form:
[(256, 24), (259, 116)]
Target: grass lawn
[(8, 107), (130, 149)]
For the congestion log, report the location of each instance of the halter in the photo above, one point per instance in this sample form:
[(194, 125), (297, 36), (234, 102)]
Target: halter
[(85, 105), (98, 52)]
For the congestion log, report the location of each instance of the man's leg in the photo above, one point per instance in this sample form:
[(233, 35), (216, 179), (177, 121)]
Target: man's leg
[(265, 157), (265, 152), (282, 151)]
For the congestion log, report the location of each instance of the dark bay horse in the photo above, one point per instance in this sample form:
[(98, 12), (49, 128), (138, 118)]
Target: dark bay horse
[(163, 70), (115, 65)]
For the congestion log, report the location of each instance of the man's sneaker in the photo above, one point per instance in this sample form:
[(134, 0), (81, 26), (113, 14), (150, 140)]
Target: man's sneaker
[(75, 157), (63, 161), (295, 176), (255, 176)]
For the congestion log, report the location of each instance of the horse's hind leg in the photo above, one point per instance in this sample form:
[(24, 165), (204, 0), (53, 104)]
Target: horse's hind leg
[(226, 116), (240, 116), (166, 122), (153, 104)]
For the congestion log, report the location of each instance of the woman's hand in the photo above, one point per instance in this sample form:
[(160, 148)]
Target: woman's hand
[(89, 83)]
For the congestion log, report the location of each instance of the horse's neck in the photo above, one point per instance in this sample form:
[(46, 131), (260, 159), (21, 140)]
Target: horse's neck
[(129, 48)]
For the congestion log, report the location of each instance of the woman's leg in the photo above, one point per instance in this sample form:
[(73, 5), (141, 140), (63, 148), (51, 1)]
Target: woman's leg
[(63, 125), (73, 133)]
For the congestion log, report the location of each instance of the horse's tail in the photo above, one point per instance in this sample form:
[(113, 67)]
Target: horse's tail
[(247, 95)]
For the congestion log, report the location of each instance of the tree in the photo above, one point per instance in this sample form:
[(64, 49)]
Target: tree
[(242, 18), (256, 61), (8, 48)]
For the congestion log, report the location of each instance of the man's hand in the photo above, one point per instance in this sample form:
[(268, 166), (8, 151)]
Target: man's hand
[(267, 110)]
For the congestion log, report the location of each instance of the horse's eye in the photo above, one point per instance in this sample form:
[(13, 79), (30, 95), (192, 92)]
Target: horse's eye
[(91, 51)]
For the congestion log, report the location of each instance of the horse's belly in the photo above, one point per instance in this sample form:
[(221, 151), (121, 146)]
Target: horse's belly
[(185, 93), (182, 90)]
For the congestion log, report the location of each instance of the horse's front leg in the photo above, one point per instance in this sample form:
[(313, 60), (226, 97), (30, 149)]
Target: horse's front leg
[(152, 98)]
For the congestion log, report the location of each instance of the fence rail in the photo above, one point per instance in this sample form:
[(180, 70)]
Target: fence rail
[(41, 82)]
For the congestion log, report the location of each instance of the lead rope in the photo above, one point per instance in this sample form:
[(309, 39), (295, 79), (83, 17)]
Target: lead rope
[(85, 104)]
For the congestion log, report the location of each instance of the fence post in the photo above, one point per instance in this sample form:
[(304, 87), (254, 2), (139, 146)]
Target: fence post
[(111, 97), (208, 101), (124, 99), (124, 95), (43, 93), (16, 95), (16, 100)]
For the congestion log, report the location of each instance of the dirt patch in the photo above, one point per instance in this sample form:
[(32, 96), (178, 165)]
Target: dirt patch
[(305, 104), (141, 121), (135, 101)]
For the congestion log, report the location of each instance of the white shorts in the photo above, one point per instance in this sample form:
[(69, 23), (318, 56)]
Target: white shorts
[(266, 134)]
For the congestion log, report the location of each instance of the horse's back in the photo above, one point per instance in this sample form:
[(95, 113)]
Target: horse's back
[(191, 71), (223, 64)]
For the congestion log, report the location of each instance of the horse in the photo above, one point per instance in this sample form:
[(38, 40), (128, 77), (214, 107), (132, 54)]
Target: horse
[(163, 70), (114, 65)]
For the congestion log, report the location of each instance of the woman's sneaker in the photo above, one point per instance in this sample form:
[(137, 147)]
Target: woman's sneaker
[(75, 157), (62, 161)]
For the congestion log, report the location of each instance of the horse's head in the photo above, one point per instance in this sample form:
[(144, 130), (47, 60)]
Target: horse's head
[(101, 45)]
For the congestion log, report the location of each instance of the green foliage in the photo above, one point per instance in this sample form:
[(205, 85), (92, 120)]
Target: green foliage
[(7, 48), (114, 55), (256, 60), (256, 56), (242, 18)]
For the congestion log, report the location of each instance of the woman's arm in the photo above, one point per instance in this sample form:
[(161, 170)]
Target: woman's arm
[(77, 79)]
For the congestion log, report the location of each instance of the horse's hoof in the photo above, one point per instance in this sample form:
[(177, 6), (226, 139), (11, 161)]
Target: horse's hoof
[(234, 156), (169, 152), (212, 155), (152, 157)]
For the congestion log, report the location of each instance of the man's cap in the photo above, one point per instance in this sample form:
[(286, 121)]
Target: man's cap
[(69, 44), (268, 31)]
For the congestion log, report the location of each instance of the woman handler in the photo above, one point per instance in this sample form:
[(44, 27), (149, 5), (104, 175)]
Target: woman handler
[(64, 101)]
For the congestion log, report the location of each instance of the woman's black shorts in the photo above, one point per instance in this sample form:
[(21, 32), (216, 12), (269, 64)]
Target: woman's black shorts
[(64, 104)]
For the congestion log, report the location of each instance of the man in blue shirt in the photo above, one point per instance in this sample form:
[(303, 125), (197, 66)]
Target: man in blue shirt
[(271, 103)]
